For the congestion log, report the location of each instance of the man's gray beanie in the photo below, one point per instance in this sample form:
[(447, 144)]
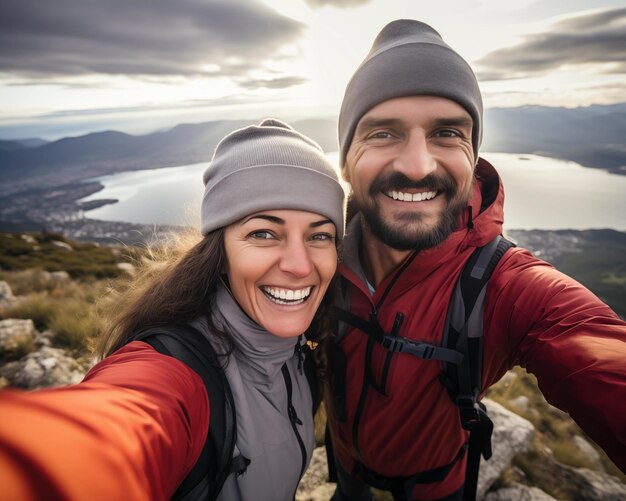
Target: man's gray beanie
[(409, 58), (269, 166)]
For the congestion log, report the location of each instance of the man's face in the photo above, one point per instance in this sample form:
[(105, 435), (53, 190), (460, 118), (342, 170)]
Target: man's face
[(410, 165)]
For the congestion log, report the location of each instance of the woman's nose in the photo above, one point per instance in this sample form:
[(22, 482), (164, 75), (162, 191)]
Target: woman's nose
[(296, 260)]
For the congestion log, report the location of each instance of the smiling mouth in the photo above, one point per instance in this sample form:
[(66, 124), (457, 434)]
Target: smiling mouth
[(287, 296), (411, 197)]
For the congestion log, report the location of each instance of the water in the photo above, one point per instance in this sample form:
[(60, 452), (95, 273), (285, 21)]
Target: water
[(541, 193)]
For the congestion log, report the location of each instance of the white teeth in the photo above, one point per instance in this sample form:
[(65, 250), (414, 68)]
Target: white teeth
[(412, 197), (287, 296)]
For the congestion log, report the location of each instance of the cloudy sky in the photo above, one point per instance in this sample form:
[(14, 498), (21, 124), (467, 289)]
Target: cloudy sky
[(68, 67)]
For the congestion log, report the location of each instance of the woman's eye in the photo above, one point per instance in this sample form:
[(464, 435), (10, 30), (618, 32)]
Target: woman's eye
[(323, 237), (261, 235)]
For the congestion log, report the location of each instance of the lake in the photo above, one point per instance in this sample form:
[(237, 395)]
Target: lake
[(541, 193)]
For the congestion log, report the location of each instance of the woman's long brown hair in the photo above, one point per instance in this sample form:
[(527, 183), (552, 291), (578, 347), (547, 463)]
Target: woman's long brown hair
[(174, 288)]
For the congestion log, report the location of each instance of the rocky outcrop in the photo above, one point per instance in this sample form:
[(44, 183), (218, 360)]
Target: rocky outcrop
[(591, 485), (519, 493), (511, 435), (314, 485), (44, 368), (16, 337), (33, 361), (6, 295)]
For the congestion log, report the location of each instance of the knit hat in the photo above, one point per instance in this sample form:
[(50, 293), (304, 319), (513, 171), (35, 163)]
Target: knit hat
[(409, 58), (269, 166)]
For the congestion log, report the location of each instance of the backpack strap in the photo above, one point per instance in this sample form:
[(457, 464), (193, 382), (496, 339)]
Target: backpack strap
[(464, 333), (215, 463)]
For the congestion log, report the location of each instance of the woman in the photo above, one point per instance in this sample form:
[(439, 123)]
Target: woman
[(271, 216)]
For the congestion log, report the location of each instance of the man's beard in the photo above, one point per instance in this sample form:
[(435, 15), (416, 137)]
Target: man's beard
[(400, 236)]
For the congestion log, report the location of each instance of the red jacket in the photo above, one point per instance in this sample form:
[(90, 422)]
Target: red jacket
[(534, 316), (131, 430)]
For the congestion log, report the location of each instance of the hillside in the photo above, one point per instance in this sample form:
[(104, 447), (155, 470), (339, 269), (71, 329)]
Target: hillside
[(592, 136)]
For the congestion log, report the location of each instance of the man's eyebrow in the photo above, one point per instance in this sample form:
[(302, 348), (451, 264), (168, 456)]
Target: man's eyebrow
[(369, 123), (460, 121)]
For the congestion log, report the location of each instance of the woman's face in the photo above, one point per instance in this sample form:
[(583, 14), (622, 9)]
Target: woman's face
[(280, 263)]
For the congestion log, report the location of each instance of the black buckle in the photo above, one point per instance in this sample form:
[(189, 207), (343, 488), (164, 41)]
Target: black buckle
[(470, 411)]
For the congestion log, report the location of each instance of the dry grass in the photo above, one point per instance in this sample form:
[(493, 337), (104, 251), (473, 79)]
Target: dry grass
[(69, 309)]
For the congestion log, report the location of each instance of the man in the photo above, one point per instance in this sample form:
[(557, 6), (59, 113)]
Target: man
[(410, 128)]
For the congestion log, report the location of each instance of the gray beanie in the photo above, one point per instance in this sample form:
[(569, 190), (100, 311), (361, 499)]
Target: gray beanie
[(409, 58), (267, 167)]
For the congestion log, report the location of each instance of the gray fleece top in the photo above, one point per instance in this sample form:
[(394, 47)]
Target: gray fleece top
[(265, 434)]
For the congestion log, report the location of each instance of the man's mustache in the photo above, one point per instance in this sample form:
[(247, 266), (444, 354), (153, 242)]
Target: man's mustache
[(396, 181)]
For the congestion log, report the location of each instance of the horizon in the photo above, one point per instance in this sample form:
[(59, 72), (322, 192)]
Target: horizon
[(253, 120), (68, 69)]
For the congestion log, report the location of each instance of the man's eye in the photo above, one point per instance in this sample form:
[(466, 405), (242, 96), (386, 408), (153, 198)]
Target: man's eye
[(448, 133), (382, 134), (261, 235)]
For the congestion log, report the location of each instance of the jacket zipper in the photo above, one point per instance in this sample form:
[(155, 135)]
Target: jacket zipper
[(293, 417), (370, 346)]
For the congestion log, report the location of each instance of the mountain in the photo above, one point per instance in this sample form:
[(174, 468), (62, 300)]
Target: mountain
[(592, 136), (20, 144)]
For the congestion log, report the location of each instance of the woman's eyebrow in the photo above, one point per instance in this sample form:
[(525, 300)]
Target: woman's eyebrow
[(271, 219), (322, 222)]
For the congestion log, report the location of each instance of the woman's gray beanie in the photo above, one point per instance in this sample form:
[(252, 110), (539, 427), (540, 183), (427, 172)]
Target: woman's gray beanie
[(409, 58), (269, 166)]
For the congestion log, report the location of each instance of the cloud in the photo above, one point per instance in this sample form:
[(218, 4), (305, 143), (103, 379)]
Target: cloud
[(597, 38), (153, 38), (272, 83), (342, 4)]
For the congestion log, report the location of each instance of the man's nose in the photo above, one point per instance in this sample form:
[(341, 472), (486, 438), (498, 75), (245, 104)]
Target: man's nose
[(296, 260), (414, 159)]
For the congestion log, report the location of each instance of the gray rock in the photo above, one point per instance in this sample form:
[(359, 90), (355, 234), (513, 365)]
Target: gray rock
[(511, 435), (59, 276), (592, 485), (29, 239), (518, 493), (47, 367), (321, 493), (589, 452), (315, 477), (519, 403), (6, 295), (508, 377), (15, 334), (62, 245)]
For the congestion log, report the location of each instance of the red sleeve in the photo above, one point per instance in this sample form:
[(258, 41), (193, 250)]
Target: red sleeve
[(571, 341), (131, 430)]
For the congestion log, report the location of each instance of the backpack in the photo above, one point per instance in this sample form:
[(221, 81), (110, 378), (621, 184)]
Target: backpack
[(461, 354), (216, 462)]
